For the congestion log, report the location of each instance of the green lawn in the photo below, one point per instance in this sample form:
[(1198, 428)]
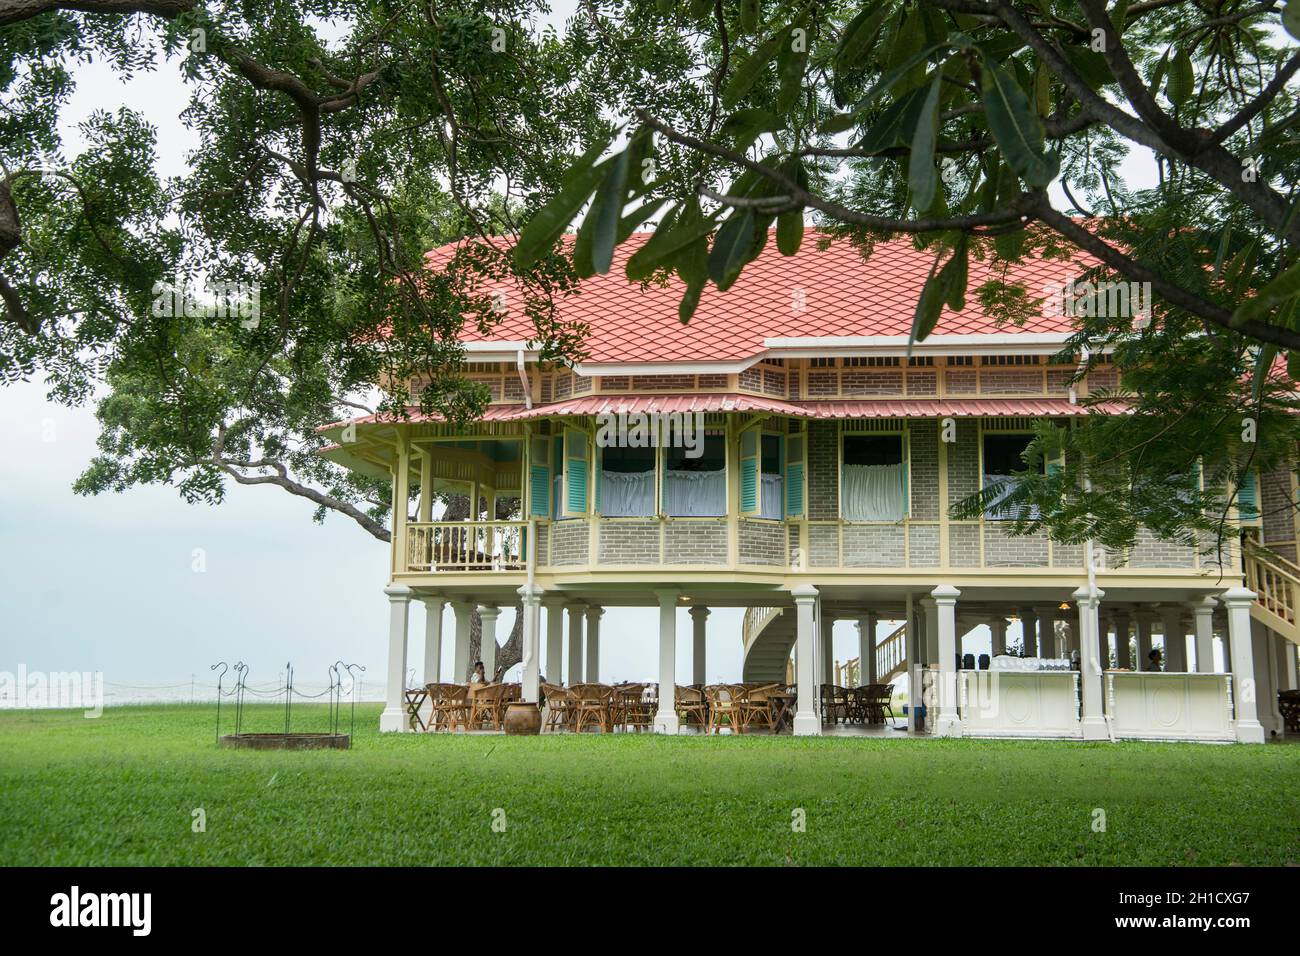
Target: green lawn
[(121, 790)]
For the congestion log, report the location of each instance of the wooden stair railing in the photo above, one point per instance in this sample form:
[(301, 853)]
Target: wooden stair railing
[(1276, 583), (891, 655)]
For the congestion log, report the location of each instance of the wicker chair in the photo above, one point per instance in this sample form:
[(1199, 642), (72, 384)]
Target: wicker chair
[(487, 705), (631, 709), (559, 713), (592, 702), (725, 701), (1288, 702), (756, 706), (690, 704), (450, 703)]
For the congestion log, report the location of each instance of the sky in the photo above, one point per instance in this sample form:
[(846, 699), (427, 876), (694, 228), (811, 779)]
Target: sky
[(151, 591)]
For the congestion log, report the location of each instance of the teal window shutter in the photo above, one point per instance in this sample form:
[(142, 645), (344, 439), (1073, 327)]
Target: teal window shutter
[(1248, 496), (600, 467), (539, 479), (794, 476), (750, 447)]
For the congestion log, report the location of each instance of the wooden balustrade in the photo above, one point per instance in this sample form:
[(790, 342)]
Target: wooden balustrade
[(466, 546), (1276, 583)]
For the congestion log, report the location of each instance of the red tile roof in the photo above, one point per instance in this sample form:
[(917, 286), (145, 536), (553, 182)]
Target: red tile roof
[(842, 296)]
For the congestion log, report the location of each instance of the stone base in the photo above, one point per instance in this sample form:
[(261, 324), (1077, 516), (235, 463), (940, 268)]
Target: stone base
[(666, 722), (806, 725), (1094, 728), (394, 721), (947, 725), (1250, 732)]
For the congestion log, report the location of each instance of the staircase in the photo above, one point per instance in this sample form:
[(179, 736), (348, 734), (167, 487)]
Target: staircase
[(769, 635), (1276, 583)]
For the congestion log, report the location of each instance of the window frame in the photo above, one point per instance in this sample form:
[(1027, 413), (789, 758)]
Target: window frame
[(904, 434)]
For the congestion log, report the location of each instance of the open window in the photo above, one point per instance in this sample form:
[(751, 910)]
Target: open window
[(626, 483), (539, 478), (771, 482), (696, 487), (873, 478), (1003, 456)]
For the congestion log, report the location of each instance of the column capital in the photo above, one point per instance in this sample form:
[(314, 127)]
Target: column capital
[(945, 594), (1238, 597), (666, 596), (462, 606), (803, 594), (531, 594), (699, 612), (1144, 615), (489, 612), (398, 592), (576, 607), (1205, 605), (430, 600), (1088, 596), (594, 610)]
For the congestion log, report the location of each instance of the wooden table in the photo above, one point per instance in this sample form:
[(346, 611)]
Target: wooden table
[(415, 699), (784, 704)]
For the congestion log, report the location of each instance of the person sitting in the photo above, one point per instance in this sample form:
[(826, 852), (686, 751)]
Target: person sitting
[(478, 676), (1155, 659)]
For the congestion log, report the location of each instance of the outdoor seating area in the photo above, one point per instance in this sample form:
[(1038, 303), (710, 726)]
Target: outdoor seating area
[(631, 707)]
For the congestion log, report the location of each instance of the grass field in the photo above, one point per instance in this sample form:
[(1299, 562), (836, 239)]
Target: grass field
[(122, 790)]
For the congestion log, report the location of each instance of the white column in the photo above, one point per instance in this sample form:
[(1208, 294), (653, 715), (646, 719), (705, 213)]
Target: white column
[(666, 717), (1123, 653), (699, 630), (1103, 640), (948, 723), (1238, 602), (827, 647), (1046, 630), (393, 719), (806, 720), (460, 662), (593, 644), (915, 642), (998, 628), (1072, 634), (931, 641), (1203, 629), (867, 648), (574, 673), (487, 642), (531, 596), (554, 672), (1029, 632), (1290, 678), (433, 639), (1145, 618), (1091, 667), (1175, 637)]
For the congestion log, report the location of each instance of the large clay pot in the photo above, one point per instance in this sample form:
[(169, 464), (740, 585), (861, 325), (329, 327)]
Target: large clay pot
[(523, 718)]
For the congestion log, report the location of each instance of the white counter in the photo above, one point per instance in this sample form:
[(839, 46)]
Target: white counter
[(1160, 705)]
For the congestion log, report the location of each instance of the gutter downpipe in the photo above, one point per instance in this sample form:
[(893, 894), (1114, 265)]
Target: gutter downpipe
[(522, 369)]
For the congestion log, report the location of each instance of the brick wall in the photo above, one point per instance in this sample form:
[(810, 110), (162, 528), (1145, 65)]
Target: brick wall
[(628, 542), (867, 382), (695, 542), (960, 381), (921, 382), (964, 461), (1278, 509), (712, 381), (823, 471), (924, 478), (662, 383), (823, 546), (774, 383), (1008, 381), (874, 546), (762, 542), (964, 545), (924, 546), (751, 379), (1001, 550), (1067, 555), (1151, 552), (569, 540), (823, 384)]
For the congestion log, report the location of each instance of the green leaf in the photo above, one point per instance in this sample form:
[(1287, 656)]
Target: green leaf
[(1263, 365), (1291, 18), (1222, 254), (690, 301), (730, 247), (790, 66), (928, 308), (637, 216), (582, 245), (1283, 287), (1016, 128), (548, 223), (896, 122), (922, 176), (1090, 65), (750, 69), (860, 35), (843, 121), (1158, 72), (954, 276), (611, 198), (1181, 79), (667, 242), (748, 16), (744, 126)]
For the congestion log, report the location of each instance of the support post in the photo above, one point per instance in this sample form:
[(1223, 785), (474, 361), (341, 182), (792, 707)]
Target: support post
[(1203, 629), (1092, 719), (433, 639), (806, 721), (1028, 632), (554, 672), (460, 661), (826, 644), (699, 630), (867, 648), (594, 615), (573, 675), (1046, 630), (998, 629), (666, 716), (945, 597), (531, 598), (1238, 602), (1123, 652), (1175, 638), (487, 641), (1144, 617), (393, 719)]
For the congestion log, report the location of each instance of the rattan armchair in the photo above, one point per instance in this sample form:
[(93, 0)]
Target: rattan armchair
[(559, 711), (631, 709), (725, 707), (450, 705), (487, 705), (591, 702), (756, 706), (690, 705)]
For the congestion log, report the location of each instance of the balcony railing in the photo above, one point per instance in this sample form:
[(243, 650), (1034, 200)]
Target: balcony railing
[(466, 546)]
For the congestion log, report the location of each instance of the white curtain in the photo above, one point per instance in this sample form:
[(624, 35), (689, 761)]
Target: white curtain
[(697, 494), (1007, 484), (773, 497), (873, 492), (627, 494)]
